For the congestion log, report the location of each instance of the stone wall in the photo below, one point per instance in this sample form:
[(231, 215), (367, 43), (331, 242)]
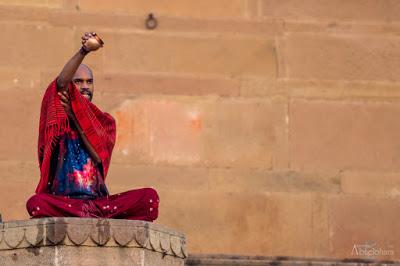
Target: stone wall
[(268, 125)]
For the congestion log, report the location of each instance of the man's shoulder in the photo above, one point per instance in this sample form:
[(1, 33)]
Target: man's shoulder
[(100, 114), (109, 120), (109, 116)]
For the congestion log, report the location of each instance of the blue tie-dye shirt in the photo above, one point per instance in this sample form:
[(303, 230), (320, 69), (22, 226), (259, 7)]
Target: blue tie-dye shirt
[(76, 175)]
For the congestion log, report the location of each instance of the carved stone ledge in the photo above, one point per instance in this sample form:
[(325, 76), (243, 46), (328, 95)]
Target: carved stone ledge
[(72, 233)]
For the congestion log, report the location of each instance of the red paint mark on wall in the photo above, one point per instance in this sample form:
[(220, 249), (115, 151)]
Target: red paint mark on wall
[(196, 123)]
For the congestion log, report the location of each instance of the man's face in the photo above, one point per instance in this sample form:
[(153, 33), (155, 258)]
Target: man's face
[(83, 80)]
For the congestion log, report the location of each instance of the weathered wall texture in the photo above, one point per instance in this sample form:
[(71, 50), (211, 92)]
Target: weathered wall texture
[(269, 127)]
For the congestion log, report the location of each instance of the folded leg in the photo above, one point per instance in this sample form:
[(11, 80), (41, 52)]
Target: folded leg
[(47, 205), (138, 204)]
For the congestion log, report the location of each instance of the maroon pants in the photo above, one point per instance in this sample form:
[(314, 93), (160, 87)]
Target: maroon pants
[(139, 204)]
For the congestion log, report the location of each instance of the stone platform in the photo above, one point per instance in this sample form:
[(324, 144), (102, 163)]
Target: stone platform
[(87, 241), (234, 260)]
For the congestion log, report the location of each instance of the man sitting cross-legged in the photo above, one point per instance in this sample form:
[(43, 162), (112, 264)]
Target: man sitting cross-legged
[(76, 140)]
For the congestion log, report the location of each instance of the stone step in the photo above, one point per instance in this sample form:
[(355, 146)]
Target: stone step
[(231, 260)]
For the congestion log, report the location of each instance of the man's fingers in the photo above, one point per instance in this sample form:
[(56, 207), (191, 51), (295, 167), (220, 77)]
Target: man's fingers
[(88, 35), (65, 93), (63, 98), (61, 95), (66, 106), (67, 97)]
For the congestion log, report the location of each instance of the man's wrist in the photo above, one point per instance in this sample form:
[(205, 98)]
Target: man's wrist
[(83, 51)]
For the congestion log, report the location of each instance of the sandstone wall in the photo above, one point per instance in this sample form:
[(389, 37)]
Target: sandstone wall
[(269, 127)]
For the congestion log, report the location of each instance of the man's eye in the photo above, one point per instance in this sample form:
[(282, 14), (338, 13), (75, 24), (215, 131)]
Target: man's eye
[(77, 81), (90, 81)]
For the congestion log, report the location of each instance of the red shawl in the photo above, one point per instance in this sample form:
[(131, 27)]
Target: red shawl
[(99, 129)]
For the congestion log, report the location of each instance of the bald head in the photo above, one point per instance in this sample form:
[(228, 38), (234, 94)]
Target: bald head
[(85, 68), (83, 79)]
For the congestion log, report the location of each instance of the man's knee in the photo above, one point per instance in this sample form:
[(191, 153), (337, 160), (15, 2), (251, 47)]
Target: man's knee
[(32, 201), (34, 204), (153, 201), (152, 194)]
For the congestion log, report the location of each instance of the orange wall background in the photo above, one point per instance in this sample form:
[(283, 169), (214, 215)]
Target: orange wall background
[(269, 127)]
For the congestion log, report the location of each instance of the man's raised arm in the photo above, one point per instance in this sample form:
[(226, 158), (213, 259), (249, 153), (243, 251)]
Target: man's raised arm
[(65, 77), (90, 42)]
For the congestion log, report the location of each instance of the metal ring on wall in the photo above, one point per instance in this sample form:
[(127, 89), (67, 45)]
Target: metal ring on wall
[(151, 22)]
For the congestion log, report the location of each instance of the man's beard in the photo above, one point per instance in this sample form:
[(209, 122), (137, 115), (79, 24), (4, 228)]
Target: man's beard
[(87, 92)]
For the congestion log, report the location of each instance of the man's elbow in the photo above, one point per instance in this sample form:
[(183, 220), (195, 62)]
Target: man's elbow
[(61, 83)]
